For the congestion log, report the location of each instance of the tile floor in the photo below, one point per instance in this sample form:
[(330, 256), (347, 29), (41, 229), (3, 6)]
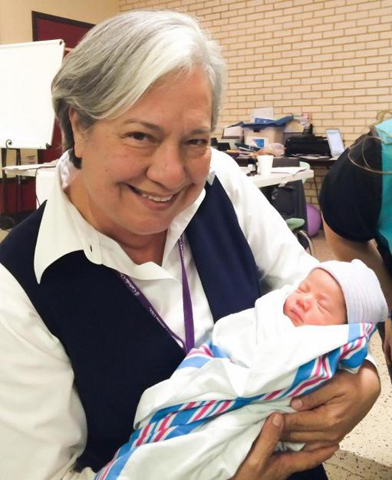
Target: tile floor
[(365, 454)]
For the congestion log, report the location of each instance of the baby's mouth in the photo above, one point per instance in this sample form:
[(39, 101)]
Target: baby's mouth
[(154, 198), (297, 315)]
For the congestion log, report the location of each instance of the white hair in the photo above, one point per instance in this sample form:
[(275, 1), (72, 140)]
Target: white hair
[(121, 58)]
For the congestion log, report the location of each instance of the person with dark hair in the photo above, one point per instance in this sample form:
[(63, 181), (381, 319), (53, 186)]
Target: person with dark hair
[(356, 205), (147, 238)]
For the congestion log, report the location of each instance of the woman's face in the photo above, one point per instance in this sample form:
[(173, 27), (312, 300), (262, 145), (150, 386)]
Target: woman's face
[(318, 300), (143, 168)]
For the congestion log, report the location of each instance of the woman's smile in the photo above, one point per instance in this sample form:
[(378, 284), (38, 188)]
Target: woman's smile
[(160, 199)]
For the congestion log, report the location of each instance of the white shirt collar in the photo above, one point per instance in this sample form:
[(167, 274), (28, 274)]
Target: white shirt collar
[(63, 230)]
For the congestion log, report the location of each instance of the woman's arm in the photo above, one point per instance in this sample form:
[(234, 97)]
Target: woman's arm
[(367, 252), (348, 250), (42, 423), (326, 415)]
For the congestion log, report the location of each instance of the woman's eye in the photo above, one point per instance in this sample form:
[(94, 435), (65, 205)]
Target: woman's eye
[(198, 142), (139, 136)]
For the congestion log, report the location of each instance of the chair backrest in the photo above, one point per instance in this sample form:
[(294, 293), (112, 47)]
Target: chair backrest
[(304, 165)]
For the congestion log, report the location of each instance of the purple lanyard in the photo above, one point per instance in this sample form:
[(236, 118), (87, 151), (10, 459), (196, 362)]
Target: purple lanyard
[(186, 300)]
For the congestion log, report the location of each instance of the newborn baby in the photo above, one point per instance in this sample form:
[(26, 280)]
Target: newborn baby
[(335, 293)]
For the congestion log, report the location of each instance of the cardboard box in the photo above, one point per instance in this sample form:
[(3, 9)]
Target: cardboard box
[(269, 134)]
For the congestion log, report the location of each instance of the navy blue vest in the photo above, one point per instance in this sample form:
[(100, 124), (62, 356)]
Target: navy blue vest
[(117, 349)]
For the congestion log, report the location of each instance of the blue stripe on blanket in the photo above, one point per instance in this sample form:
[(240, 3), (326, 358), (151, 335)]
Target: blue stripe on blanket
[(356, 360), (198, 357), (193, 362), (354, 331), (217, 352)]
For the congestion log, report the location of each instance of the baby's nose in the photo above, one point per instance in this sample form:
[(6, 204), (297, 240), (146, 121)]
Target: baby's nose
[(305, 300)]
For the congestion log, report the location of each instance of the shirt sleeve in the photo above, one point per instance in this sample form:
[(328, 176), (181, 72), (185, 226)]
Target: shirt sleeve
[(278, 254), (42, 422), (350, 197)]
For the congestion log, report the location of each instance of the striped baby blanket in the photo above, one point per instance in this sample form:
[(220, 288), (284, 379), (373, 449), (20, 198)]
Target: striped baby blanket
[(200, 423)]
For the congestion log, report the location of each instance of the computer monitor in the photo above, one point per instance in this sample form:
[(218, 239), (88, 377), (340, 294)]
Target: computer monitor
[(335, 142)]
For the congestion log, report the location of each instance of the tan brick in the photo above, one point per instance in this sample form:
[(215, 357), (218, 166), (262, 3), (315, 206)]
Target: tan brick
[(314, 22), (344, 40), (300, 74), (380, 28), (377, 60), (312, 37), (377, 91), (346, 9), (385, 45), (384, 67)]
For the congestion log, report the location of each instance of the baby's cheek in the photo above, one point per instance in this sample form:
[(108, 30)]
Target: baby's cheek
[(286, 306)]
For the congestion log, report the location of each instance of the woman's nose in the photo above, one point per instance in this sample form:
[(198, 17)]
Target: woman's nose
[(168, 167)]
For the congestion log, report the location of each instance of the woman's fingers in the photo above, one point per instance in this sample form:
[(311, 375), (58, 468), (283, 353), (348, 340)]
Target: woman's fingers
[(263, 463), (259, 455), (304, 460), (305, 427), (329, 413), (267, 440), (260, 463)]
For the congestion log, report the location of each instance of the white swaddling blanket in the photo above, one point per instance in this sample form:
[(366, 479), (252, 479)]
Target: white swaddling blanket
[(201, 423)]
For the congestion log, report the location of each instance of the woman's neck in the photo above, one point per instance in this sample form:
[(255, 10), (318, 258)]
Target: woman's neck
[(150, 249)]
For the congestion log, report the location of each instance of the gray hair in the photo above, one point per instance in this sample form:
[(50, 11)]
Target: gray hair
[(121, 58)]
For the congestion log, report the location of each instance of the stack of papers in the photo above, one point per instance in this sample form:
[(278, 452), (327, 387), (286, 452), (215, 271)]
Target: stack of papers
[(290, 170)]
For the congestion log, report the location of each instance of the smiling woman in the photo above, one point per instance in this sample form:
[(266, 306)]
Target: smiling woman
[(147, 239), (143, 168)]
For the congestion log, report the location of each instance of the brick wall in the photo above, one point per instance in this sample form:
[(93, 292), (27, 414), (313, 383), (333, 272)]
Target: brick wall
[(332, 58)]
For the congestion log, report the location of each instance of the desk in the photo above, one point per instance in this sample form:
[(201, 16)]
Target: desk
[(280, 176), (326, 163), (43, 174), (319, 162), (28, 170)]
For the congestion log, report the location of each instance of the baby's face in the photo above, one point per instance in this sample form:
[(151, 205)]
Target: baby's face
[(318, 300)]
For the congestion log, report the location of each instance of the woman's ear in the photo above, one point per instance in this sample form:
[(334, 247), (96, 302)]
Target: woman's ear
[(79, 132)]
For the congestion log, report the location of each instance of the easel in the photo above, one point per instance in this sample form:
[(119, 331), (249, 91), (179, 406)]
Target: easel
[(22, 102), (6, 221)]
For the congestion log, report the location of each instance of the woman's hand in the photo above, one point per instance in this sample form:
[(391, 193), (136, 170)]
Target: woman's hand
[(262, 463), (387, 346), (326, 415)]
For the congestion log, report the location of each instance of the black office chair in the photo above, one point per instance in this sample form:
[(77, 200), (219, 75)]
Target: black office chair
[(290, 202)]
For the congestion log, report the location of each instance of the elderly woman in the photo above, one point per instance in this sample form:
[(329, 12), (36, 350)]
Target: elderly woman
[(144, 242)]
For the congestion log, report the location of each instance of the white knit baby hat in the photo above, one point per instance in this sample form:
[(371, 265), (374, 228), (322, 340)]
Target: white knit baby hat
[(362, 292)]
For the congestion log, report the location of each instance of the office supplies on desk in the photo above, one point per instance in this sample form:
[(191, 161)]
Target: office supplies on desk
[(264, 164), (289, 170), (315, 157), (246, 148), (335, 142), (307, 145)]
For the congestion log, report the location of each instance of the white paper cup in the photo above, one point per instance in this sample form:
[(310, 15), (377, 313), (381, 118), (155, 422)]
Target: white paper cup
[(264, 164)]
